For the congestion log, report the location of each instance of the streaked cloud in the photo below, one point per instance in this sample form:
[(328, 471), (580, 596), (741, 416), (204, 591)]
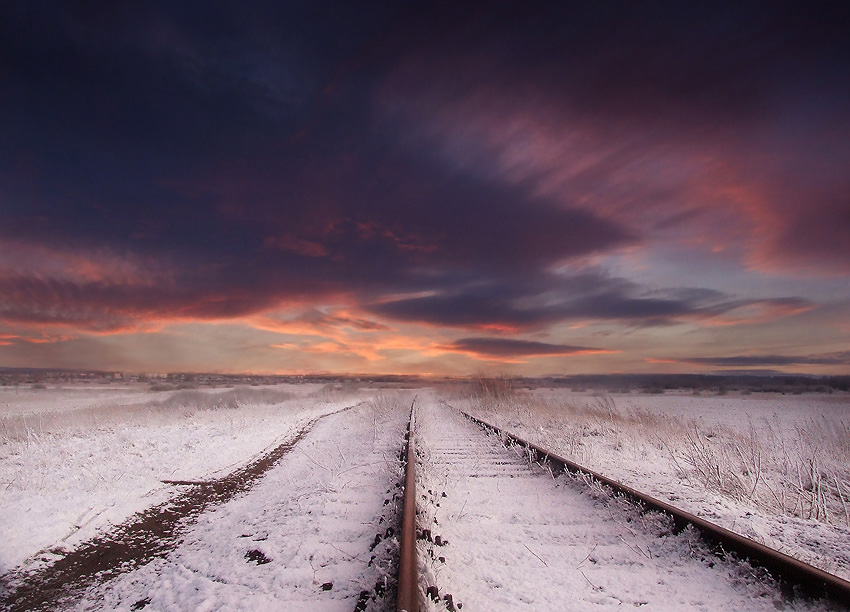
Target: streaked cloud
[(397, 184), (534, 302), (509, 348), (839, 358)]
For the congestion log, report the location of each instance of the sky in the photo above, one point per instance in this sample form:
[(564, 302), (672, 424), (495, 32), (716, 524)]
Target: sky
[(441, 188)]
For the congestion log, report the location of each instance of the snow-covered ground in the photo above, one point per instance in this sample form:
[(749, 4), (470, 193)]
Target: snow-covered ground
[(76, 460), (506, 536), (772, 467), (317, 533)]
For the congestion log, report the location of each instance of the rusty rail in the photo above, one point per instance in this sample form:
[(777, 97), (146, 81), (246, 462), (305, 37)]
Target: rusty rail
[(787, 570), (408, 588)]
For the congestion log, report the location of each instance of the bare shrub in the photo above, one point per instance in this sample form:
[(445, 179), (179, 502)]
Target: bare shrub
[(162, 387), (805, 475), (726, 465), (333, 392), (387, 402), (498, 387), (230, 399)]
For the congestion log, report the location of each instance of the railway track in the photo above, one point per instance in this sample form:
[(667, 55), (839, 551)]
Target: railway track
[(488, 522), (504, 524)]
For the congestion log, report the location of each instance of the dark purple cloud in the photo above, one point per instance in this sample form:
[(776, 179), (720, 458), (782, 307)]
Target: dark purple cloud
[(104, 306), (533, 302), (729, 120), (281, 153), (506, 347), (239, 151), (839, 358)]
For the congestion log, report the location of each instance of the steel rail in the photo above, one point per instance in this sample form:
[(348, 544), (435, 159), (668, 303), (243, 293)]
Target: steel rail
[(408, 584), (787, 570)]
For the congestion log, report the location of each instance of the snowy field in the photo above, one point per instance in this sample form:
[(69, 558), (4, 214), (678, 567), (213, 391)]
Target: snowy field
[(317, 534), (74, 460), (773, 467), (507, 536), (312, 533)]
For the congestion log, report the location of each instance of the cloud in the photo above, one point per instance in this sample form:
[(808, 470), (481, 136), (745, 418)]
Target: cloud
[(545, 299), (353, 167), (326, 322), (213, 228), (839, 358), (14, 339), (372, 238), (726, 127), (508, 348), (109, 308)]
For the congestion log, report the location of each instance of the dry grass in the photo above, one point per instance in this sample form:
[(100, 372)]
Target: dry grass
[(498, 388), (219, 400), (803, 473), (178, 405)]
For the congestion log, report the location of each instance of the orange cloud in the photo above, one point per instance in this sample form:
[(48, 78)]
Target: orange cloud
[(374, 349), (10, 339)]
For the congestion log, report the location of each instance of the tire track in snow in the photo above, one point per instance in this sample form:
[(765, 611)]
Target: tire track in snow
[(500, 534), (147, 535), (317, 534)]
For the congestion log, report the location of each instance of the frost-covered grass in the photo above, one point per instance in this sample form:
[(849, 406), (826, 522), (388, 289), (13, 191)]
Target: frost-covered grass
[(506, 535), (74, 461), (775, 468)]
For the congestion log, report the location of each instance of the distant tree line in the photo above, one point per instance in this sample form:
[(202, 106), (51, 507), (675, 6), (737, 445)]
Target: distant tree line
[(719, 383)]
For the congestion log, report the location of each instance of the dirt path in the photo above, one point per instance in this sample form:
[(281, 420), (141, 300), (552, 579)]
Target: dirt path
[(147, 535)]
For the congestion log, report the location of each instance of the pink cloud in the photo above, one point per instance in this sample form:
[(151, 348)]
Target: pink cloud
[(726, 189)]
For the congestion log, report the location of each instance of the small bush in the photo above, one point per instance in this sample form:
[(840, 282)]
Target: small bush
[(233, 398), (499, 387)]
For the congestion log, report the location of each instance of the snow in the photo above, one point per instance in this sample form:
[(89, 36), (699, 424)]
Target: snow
[(317, 532), (325, 515), (644, 441), (72, 463), (519, 539)]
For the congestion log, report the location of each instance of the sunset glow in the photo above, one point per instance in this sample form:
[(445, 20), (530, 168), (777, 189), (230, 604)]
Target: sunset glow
[(531, 187)]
